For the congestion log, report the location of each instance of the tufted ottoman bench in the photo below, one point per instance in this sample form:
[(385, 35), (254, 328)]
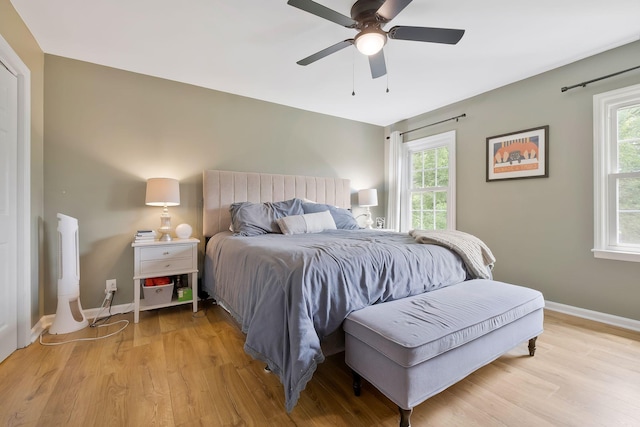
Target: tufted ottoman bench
[(413, 348)]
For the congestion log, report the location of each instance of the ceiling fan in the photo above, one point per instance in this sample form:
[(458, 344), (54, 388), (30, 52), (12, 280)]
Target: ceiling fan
[(368, 17)]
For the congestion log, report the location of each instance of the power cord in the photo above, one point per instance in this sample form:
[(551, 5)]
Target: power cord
[(106, 304)]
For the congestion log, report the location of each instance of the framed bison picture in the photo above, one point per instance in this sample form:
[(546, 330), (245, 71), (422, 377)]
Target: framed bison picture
[(523, 154)]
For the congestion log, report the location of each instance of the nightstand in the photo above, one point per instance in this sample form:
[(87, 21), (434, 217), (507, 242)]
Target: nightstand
[(157, 259)]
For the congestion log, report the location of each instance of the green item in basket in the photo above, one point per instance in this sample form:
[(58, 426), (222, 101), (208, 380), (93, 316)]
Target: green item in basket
[(185, 294)]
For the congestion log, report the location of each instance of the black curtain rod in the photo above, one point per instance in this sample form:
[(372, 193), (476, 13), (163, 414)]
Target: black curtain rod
[(433, 124), (583, 84)]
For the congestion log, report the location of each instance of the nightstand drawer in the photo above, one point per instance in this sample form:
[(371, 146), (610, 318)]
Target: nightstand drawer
[(165, 252), (160, 266)]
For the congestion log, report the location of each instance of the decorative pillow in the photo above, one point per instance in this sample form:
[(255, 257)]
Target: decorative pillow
[(307, 223), (253, 219), (343, 218)]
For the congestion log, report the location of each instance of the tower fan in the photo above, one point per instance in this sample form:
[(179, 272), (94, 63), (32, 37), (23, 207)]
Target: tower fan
[(69, 315)]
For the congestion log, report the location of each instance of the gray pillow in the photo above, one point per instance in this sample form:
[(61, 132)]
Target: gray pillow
[(342, 217), (253, 219)]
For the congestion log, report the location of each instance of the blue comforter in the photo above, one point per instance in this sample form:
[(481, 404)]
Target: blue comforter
[(289, 292)]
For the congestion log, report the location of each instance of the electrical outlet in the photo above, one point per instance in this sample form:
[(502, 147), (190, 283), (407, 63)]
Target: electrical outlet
[(111, 286)]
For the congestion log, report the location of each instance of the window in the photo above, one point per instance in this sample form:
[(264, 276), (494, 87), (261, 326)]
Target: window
[(616, 118), (428, 189)]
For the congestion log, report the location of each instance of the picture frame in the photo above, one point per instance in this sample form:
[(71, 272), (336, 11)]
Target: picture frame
[(518, 155)]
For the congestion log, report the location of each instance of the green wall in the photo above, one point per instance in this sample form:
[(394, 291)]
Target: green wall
[(107, 131), (541, 230)]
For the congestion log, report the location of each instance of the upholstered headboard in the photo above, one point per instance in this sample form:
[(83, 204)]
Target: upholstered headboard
[(222, 188)]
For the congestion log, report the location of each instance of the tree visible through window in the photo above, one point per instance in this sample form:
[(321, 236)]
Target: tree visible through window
[(429, 196), (430, 179), (617, 174), (628, 144)]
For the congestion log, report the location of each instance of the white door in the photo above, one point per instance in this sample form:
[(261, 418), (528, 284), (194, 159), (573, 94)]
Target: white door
[(8, 212)]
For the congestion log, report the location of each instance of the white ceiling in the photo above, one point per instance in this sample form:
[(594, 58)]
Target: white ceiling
[(250, 47)]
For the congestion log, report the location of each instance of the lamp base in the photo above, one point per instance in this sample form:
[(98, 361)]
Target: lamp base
[(165, 226), (368, 222), (165, 236)]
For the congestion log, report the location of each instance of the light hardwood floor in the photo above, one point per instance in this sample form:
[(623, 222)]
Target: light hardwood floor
[(174, 369)]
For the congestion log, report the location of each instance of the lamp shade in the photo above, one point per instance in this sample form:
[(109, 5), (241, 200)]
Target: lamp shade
[(162, 192), (368, 197)]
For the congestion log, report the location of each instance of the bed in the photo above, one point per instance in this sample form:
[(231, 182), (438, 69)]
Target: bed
[(291, 293)]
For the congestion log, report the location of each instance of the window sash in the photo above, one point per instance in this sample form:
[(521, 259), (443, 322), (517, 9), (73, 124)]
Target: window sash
[(613, 203), (430, 216)]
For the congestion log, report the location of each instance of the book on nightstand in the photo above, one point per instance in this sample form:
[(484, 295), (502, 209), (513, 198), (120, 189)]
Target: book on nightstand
[(145, 236)]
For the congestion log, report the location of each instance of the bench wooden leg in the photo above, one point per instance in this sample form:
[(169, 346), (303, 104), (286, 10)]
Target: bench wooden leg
[(405, 417), (357, 383), (532, 346)]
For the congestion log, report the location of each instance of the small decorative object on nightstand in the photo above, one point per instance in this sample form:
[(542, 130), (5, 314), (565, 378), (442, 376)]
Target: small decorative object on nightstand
[(163, 259), (367, 198), (163, 192), (183, 231)]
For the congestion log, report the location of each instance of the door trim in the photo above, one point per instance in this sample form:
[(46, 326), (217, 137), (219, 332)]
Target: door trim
[(15, 65)]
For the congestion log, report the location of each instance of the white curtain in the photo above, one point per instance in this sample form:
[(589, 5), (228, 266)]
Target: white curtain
[(393, 162)]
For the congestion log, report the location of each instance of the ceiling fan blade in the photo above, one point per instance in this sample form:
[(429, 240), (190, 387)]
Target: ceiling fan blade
[(323, 12), (377, 64), (426, 34), (391, 8), (325, 52)]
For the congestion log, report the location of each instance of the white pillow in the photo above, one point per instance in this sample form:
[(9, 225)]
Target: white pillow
[(307, 223)]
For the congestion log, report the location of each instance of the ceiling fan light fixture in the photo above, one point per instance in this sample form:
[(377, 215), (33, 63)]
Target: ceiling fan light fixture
[(370, 42)]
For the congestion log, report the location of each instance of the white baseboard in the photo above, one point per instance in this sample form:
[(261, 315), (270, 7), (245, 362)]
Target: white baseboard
[(609, 319), (89, 314), (115, 309), (39, 327)]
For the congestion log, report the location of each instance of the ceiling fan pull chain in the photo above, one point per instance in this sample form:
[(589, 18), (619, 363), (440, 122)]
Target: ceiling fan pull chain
[(387, 77), (353, 74)]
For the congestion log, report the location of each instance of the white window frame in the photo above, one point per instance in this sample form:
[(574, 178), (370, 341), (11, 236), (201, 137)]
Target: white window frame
[(605, 174), (447, 139)]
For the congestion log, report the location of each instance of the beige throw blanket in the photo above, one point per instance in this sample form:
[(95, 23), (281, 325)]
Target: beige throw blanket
[(473, 251)]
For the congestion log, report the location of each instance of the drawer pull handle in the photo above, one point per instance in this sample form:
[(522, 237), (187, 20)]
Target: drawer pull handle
[(166, 253), (167, 266)]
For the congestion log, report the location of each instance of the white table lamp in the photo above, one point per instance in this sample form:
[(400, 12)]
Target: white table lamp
[(163, 192), (367, 198)]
